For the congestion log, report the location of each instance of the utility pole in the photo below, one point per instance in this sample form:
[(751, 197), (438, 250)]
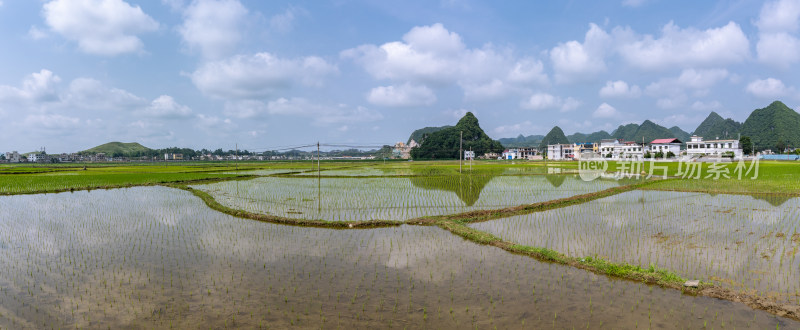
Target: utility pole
[(460, 152), (236, 162), (318, 168)]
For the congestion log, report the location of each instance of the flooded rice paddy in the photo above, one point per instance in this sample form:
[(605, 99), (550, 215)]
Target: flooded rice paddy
[(741, 242), (156, 257), (354, 199)]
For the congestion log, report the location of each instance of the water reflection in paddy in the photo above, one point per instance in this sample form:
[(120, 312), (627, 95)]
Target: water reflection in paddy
[(349, 199), (153, 257), (737, 241)]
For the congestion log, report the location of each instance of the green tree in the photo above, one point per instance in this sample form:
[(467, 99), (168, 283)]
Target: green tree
[(746, 145)]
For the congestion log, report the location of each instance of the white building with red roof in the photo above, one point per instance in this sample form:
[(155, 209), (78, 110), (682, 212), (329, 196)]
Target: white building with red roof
[(665, 146)]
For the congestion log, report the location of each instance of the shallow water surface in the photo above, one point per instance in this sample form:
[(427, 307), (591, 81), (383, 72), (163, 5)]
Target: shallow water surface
[(155, 257), (748, 243), (352, 199)]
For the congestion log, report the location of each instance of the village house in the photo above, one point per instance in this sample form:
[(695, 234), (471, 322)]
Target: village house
[(560, 152), (13, 157), (719, 148), (665, 146)]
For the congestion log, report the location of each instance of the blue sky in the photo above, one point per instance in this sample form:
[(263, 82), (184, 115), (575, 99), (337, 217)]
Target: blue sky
[(267, 74)]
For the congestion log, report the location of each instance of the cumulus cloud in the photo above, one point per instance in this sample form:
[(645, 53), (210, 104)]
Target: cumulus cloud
[(687, 47), (91, 94), (574, 60), (674, 91), (36, 87), (620, 88), (605, 111), (259, 76), (165, 107), (213, 26), (778, 23), (102, 27), (405, 95), (768, 88), (544, 101), (433, 56), (779, 16)]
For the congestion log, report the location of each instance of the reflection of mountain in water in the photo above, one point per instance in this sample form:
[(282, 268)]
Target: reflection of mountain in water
[(773, 199), (467, 187), (556, 180)]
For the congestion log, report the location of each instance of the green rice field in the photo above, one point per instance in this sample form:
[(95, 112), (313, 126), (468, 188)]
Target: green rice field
[(492, 245)]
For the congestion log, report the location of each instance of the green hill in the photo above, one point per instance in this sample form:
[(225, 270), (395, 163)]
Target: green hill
[(680, 134), (648, 131), (588, 138), (521, 141), (774, 127), (716, 127), (119, 148), (555, 136), (419, 135), (444, 144)]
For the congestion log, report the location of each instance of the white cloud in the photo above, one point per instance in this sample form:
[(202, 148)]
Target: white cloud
[(778, 49), (165, 107), (705, 106), (768, 88), (213, 26), (543, 101), (673, 91), (322, 115), (605, 111), (528, 70), (779, 16), (574, 60), (36, 87), (405, 95), (284, 22), (87, 93), (102, 27), (259, 75), (778, 24), (620, 88), (688, 47), (433, 56)]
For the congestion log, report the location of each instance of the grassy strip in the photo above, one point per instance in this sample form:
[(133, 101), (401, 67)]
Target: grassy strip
[(129, 185), (650, 275), (486, 215), (213, 204)]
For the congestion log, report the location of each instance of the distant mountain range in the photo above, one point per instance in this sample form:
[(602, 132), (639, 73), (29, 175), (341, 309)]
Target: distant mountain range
[(774, 127)]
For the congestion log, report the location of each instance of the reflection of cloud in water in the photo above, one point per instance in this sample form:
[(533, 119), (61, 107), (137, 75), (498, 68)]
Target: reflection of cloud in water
[(695, 234)]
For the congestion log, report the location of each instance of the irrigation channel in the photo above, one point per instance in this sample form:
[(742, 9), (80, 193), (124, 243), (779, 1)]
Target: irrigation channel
[(584, 254)]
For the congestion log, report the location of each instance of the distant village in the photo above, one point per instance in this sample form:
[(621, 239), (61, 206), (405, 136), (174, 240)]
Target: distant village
[(42, 157), (611, 149), (617, 149)]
